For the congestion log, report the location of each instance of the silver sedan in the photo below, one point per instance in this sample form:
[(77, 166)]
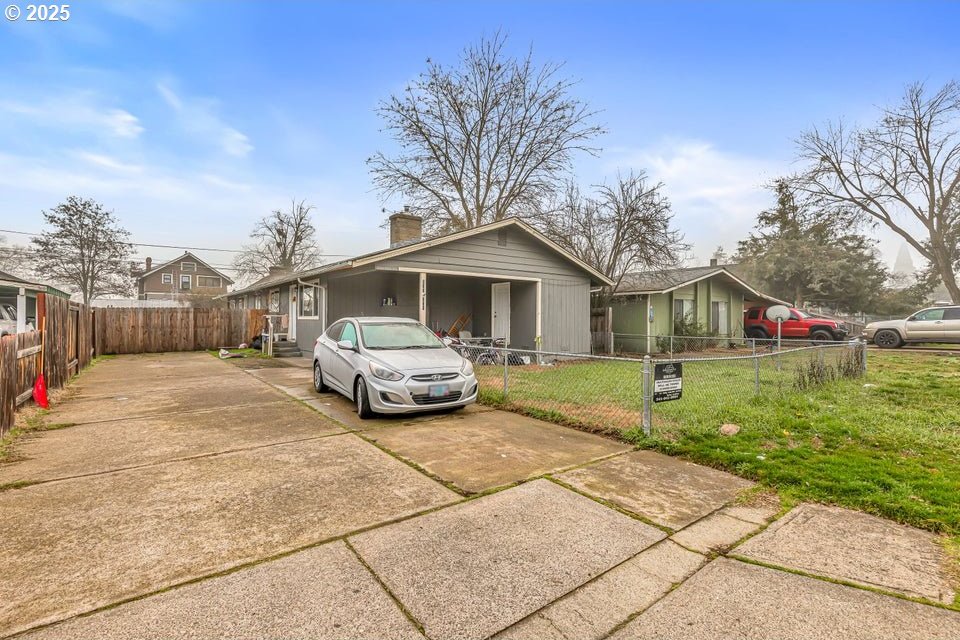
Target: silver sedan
[(391, 365)]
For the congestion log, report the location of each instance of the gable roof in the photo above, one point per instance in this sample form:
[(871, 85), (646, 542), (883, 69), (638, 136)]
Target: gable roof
[(186, 254), (672, 279), (395, 252)]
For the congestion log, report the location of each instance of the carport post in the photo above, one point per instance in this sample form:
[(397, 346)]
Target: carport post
[(647, 396)]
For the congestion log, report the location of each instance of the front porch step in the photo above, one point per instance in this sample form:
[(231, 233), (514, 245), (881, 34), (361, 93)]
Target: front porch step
[(286, 350)]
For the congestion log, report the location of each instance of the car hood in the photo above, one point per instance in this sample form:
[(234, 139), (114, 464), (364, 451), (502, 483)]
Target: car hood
[(417, 359), (887, 324)]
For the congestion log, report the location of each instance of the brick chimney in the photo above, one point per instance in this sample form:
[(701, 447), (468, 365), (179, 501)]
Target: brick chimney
[(405, 228), (713, 262), (279, 270), (148, 263)]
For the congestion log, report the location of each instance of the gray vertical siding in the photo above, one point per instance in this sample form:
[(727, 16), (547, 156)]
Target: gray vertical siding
[(565, 316), (483, 259)]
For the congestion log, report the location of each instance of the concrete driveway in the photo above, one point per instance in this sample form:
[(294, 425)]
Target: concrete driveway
[(199, 498)]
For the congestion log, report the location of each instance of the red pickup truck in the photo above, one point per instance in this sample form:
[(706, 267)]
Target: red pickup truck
[(800, 325)]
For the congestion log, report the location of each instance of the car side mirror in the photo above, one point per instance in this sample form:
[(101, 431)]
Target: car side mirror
[(346, 345), (447, 340)]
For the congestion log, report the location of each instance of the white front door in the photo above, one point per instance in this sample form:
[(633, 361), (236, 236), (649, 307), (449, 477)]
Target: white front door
[(500, 304), (294, 307)]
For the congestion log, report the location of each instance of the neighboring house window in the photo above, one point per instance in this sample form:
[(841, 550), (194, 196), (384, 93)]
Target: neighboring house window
[(166, 278), (258, 301), (188, 266), (718, 318), (239, 303), (209, 281), (186, 282), (308, 301), (682, 309), (275, 301)]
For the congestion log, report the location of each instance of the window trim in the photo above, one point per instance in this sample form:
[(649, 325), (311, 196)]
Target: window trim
[(316, 302), (189, 278), (270, 300), (219, 284), (166, 278), (183, 265)]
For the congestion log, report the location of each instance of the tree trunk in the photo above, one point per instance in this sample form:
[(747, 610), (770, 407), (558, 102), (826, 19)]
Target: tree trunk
[(944, 266)]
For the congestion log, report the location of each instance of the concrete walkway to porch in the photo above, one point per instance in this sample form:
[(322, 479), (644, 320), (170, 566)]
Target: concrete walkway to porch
[(198, 498)]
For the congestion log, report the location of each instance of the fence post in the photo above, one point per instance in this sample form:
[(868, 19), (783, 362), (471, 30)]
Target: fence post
[(506, 372), (863, 356), (671, 345), (647, 396), (756, 373)]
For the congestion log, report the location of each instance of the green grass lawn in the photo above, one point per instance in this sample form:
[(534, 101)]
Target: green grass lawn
[(888, 443)]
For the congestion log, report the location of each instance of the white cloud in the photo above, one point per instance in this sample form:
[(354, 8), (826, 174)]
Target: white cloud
[(199, 117), (716, 194), (79, 112), (108, 162)]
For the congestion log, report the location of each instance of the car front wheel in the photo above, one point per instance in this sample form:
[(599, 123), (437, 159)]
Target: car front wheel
[(318, 384), (821, 335), (363, 401), (887, 339)]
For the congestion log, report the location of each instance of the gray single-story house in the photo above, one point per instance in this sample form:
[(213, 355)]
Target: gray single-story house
[(500, 280)]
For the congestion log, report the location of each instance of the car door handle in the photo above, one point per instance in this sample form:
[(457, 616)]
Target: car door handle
[(938, 322)]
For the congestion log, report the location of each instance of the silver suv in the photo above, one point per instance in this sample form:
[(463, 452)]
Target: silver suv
[(934, 324)]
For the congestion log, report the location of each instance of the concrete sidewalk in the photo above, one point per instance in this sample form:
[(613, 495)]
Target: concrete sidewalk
[(211, 502)]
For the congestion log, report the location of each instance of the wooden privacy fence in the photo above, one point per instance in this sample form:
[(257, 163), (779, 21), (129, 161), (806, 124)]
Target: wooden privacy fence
[(68, 349), (144, 330)]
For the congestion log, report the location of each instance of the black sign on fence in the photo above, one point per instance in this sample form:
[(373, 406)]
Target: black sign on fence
[(667, 381)]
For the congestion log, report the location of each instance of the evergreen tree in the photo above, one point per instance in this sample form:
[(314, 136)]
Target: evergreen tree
[(796, 254)]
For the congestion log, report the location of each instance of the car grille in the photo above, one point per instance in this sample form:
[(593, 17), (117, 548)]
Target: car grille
[(425, 398), (429, 377)]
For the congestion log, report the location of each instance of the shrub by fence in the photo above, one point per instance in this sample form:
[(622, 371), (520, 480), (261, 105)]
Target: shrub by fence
[(137, 330)]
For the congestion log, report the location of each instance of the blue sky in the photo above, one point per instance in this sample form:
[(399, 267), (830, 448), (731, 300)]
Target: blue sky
[(193, 119)]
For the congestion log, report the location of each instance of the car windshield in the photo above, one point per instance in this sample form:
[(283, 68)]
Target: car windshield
[(399, 335), (801, 314)]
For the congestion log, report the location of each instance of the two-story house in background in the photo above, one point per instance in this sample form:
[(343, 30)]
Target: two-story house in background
[(185, 277)]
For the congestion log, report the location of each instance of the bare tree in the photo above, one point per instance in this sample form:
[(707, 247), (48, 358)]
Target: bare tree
[(486, 140), (622, 228), (86, 250), (903, 172), (282, 239)]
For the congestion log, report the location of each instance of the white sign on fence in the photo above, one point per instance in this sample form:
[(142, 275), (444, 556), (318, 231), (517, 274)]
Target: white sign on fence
[(667, 381)]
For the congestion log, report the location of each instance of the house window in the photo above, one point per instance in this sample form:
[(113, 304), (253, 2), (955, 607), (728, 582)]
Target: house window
[(186, 282), (502, 238), (209, 281), (274, 301), (682, 312), (166, 278), (718, 318), (188, 266), (258, 301), (308, 301), (683, 309)]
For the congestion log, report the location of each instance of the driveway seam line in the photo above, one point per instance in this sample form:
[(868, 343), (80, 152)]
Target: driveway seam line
[(21, 485), (840, 581), (242, 566), (170, 413), (612, 505), (383, 585)]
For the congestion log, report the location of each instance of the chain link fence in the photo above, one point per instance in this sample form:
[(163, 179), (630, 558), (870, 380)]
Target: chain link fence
[(616, 394), (633, 344)]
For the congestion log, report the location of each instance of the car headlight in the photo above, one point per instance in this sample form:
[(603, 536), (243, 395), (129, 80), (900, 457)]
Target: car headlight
[(467, 368), (383, 373)]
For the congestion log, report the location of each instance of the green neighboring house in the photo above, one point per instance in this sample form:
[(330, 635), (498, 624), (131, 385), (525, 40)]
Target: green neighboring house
[(645, 305)]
